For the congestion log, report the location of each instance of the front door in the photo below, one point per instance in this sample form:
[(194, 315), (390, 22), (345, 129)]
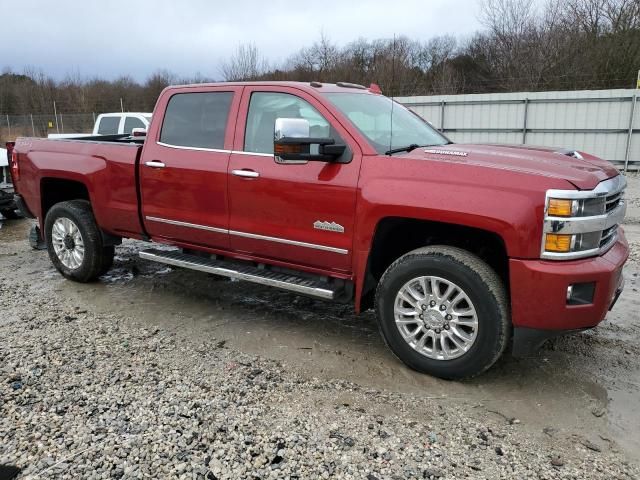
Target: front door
[(183, 174), (299, 214)]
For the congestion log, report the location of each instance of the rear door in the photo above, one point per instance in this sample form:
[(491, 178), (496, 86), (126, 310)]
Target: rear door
[(183, 171), (299, 214)]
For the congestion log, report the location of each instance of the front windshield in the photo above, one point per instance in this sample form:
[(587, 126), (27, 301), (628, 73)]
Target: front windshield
[(371, 114)]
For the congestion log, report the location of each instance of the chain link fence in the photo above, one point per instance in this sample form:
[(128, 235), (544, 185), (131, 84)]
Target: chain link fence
[(41, 125)]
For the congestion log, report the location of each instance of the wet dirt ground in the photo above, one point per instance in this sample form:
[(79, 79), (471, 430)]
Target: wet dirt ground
[(586, 384)]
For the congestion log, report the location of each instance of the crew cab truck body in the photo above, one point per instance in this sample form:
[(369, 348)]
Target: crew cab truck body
[(461, 249)]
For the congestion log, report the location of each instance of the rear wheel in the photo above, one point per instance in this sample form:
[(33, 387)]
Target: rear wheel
[(443, 311), (74, 241)]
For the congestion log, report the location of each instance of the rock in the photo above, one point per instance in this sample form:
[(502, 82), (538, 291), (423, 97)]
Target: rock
[(557, 461), (590, 445), (432, 473)]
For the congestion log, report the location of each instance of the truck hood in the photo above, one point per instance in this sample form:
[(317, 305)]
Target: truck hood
[(584, 171)]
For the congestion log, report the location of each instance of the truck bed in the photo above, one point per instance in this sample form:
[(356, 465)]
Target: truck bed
[(109, 162)]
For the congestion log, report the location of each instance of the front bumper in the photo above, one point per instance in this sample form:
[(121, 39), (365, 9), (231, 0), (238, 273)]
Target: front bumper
[(539, 290)]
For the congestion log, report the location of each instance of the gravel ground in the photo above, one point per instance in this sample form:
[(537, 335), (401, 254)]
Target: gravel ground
[(101, 397), (88, 392)]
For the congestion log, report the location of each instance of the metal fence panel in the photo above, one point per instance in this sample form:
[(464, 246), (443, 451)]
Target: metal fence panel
[(594, 121)]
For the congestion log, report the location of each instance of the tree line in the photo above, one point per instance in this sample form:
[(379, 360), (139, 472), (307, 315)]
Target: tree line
[(562, 45)]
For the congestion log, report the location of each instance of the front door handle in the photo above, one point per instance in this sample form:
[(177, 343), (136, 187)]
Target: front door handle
[(245, 173), (154, 164)]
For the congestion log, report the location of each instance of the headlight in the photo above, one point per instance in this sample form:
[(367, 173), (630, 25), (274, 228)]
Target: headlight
[(582, 223)]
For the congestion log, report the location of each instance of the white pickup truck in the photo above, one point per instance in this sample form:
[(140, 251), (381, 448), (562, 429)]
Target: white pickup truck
[(112, 124), (7, 204)]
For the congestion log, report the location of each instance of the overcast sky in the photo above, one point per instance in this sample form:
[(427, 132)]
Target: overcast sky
[(108, 39)]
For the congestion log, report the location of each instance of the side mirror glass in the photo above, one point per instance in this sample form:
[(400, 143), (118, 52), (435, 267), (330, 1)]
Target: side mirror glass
[(293, 145)]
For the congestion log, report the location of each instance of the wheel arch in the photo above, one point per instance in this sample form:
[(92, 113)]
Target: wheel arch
[(394, 236), (55, 190)]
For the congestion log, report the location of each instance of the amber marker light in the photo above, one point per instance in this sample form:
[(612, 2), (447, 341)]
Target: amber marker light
[(559, 207), (557, 243)]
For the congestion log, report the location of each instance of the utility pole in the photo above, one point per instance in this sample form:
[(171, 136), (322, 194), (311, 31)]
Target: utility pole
[(121, 105), (55, 114)]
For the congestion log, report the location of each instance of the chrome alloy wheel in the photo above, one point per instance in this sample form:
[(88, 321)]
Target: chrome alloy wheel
[(436, 317), (67, 243)]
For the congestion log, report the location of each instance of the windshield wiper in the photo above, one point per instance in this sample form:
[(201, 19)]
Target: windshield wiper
[(413, 146), (408, 148)]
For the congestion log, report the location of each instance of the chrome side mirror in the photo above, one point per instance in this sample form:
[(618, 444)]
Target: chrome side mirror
[(289, 128), (293, 145)]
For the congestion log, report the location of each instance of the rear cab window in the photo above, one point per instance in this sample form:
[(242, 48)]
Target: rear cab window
[(108, 125), (196, 120), (132, 122)]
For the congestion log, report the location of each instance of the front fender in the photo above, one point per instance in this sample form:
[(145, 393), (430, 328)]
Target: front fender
[(506, 203)]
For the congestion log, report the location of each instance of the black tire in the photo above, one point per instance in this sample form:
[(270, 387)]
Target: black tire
[(9, 214), (107, 259), (97, 258), (481, 284)]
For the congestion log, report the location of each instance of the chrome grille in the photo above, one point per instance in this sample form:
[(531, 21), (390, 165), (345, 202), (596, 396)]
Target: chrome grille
[(594, 223), (608, 235), (612, 201)]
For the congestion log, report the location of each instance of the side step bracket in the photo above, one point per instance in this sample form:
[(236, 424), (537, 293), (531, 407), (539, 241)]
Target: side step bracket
[(249, 273)]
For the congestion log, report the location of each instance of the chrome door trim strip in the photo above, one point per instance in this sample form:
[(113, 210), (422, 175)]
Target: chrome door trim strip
[(254, 236), (199, 149), (289, 242), (217, 150), (187, 224), (256, 154)]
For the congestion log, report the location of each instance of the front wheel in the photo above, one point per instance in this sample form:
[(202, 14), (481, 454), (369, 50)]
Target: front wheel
[(443, 311), (74, 241)]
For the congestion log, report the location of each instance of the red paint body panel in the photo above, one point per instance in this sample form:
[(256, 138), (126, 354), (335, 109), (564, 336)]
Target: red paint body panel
[(497, 188), (538, 289), (286, 200)]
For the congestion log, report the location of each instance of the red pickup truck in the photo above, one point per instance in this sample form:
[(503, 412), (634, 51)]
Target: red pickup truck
[(336, 192)]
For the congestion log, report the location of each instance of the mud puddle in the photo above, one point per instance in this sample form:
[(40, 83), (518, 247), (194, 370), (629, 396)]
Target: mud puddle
[(586, 384)]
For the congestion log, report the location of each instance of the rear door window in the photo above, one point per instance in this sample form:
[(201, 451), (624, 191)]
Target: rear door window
[(197, 120), (132, 122), (108, 125)]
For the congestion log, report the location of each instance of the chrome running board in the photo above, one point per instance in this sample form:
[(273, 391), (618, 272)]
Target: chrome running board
[(249, 273)]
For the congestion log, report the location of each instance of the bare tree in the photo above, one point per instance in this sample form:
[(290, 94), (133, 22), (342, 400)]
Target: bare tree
[(245, 64)]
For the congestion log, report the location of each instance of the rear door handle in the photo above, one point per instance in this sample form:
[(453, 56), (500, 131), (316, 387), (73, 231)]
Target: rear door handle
[(154, 164), (245, 173)]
